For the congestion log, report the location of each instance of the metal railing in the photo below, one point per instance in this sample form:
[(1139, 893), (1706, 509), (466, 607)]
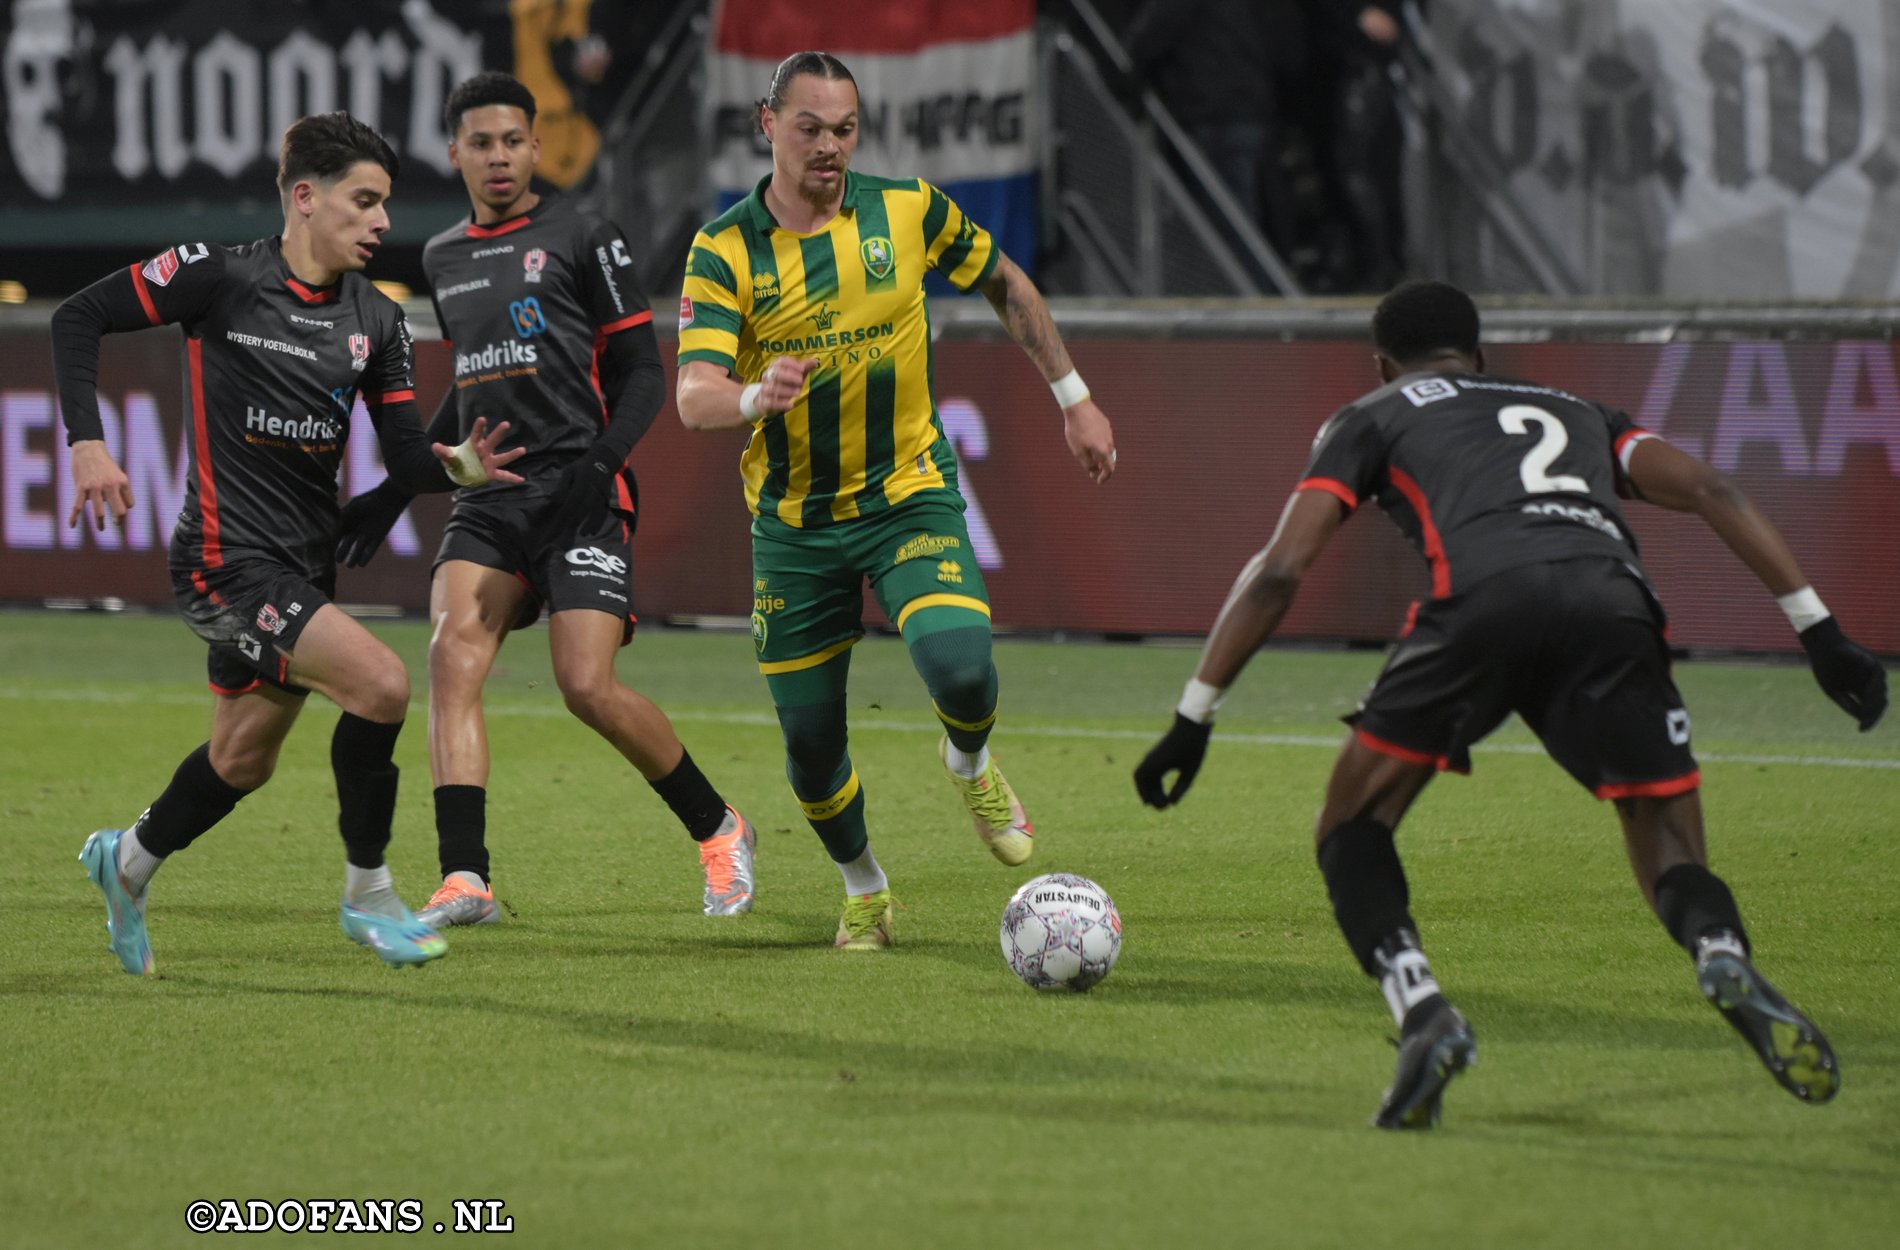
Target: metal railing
[(651, 173), (1473, 231), (1136, 226), (1117, 217)]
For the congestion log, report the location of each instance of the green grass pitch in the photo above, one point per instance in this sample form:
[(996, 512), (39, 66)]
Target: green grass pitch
[(621, 1071)]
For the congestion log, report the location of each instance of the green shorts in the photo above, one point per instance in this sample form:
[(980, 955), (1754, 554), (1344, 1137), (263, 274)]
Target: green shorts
[(808, 584)]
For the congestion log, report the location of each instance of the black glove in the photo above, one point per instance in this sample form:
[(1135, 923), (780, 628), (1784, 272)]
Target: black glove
[(1850, 675), (580, 494), (1180, 750), (366, 520)]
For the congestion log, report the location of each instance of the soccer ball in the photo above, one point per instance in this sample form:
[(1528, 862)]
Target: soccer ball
[(1061, 932)]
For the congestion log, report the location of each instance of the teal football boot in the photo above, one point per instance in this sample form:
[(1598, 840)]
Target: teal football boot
[(387, 927), (125, 913)]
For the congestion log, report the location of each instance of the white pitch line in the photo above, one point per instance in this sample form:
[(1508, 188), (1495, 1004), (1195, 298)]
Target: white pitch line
[(554, 711)]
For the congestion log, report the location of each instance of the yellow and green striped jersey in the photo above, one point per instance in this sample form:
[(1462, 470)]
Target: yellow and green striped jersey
[(865, 435)]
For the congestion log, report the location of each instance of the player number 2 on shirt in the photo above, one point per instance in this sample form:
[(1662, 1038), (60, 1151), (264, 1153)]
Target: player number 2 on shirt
[(1534, 470)]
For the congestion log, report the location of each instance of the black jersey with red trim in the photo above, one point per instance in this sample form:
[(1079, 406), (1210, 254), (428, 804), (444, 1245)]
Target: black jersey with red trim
[(273, 369), (527, 305), (1482, 473)]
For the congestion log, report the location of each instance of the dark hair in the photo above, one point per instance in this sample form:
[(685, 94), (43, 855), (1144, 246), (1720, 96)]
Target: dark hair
[(817, 64), (1420, 318), (324, 146), (492, 87)]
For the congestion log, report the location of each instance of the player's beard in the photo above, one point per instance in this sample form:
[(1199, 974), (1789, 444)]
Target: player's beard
[(821, 195)]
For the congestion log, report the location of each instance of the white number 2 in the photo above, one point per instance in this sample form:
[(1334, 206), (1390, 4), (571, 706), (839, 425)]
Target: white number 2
[(1516, 419)]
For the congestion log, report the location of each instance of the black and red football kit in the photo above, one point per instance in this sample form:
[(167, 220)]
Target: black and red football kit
[(1538, 602), (273, 370), (548, 330)]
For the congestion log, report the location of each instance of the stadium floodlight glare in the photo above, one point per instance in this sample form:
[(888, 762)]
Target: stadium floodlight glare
[(12, 292), (397, 291)]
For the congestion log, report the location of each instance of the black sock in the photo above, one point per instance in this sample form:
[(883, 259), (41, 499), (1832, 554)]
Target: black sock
[(360, 754), (1367, 885), (1693, 902), (461, 829), (692, 798), (196, 799)]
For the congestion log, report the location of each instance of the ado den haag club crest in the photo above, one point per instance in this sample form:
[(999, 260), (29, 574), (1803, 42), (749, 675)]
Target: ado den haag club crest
[(879, 259)]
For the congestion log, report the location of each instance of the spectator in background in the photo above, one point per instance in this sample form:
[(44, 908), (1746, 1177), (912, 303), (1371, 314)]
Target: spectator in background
[(1213, 64), (600, 63), (569, 139), (1349, 117)]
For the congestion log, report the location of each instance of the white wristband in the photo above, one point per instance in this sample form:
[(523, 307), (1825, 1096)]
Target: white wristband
[(1804, 608), (1199, 701), (1070, 389), (464, 467), (749, 401)]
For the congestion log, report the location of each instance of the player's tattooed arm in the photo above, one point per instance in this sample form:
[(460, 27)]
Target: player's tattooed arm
[(1024, 313)]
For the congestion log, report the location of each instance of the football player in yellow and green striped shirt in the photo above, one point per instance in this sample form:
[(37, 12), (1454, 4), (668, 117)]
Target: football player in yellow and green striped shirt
[(803, 317)]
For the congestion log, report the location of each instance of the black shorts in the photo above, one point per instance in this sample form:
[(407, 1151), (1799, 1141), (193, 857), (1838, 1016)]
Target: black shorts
[(1576, 648), (251, 612), (590, 568)]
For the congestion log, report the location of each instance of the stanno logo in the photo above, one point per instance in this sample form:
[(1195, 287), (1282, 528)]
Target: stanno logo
[(823, 317), (359, 351), (620, 254), (533, 263), (878, 256), (503, 250)]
